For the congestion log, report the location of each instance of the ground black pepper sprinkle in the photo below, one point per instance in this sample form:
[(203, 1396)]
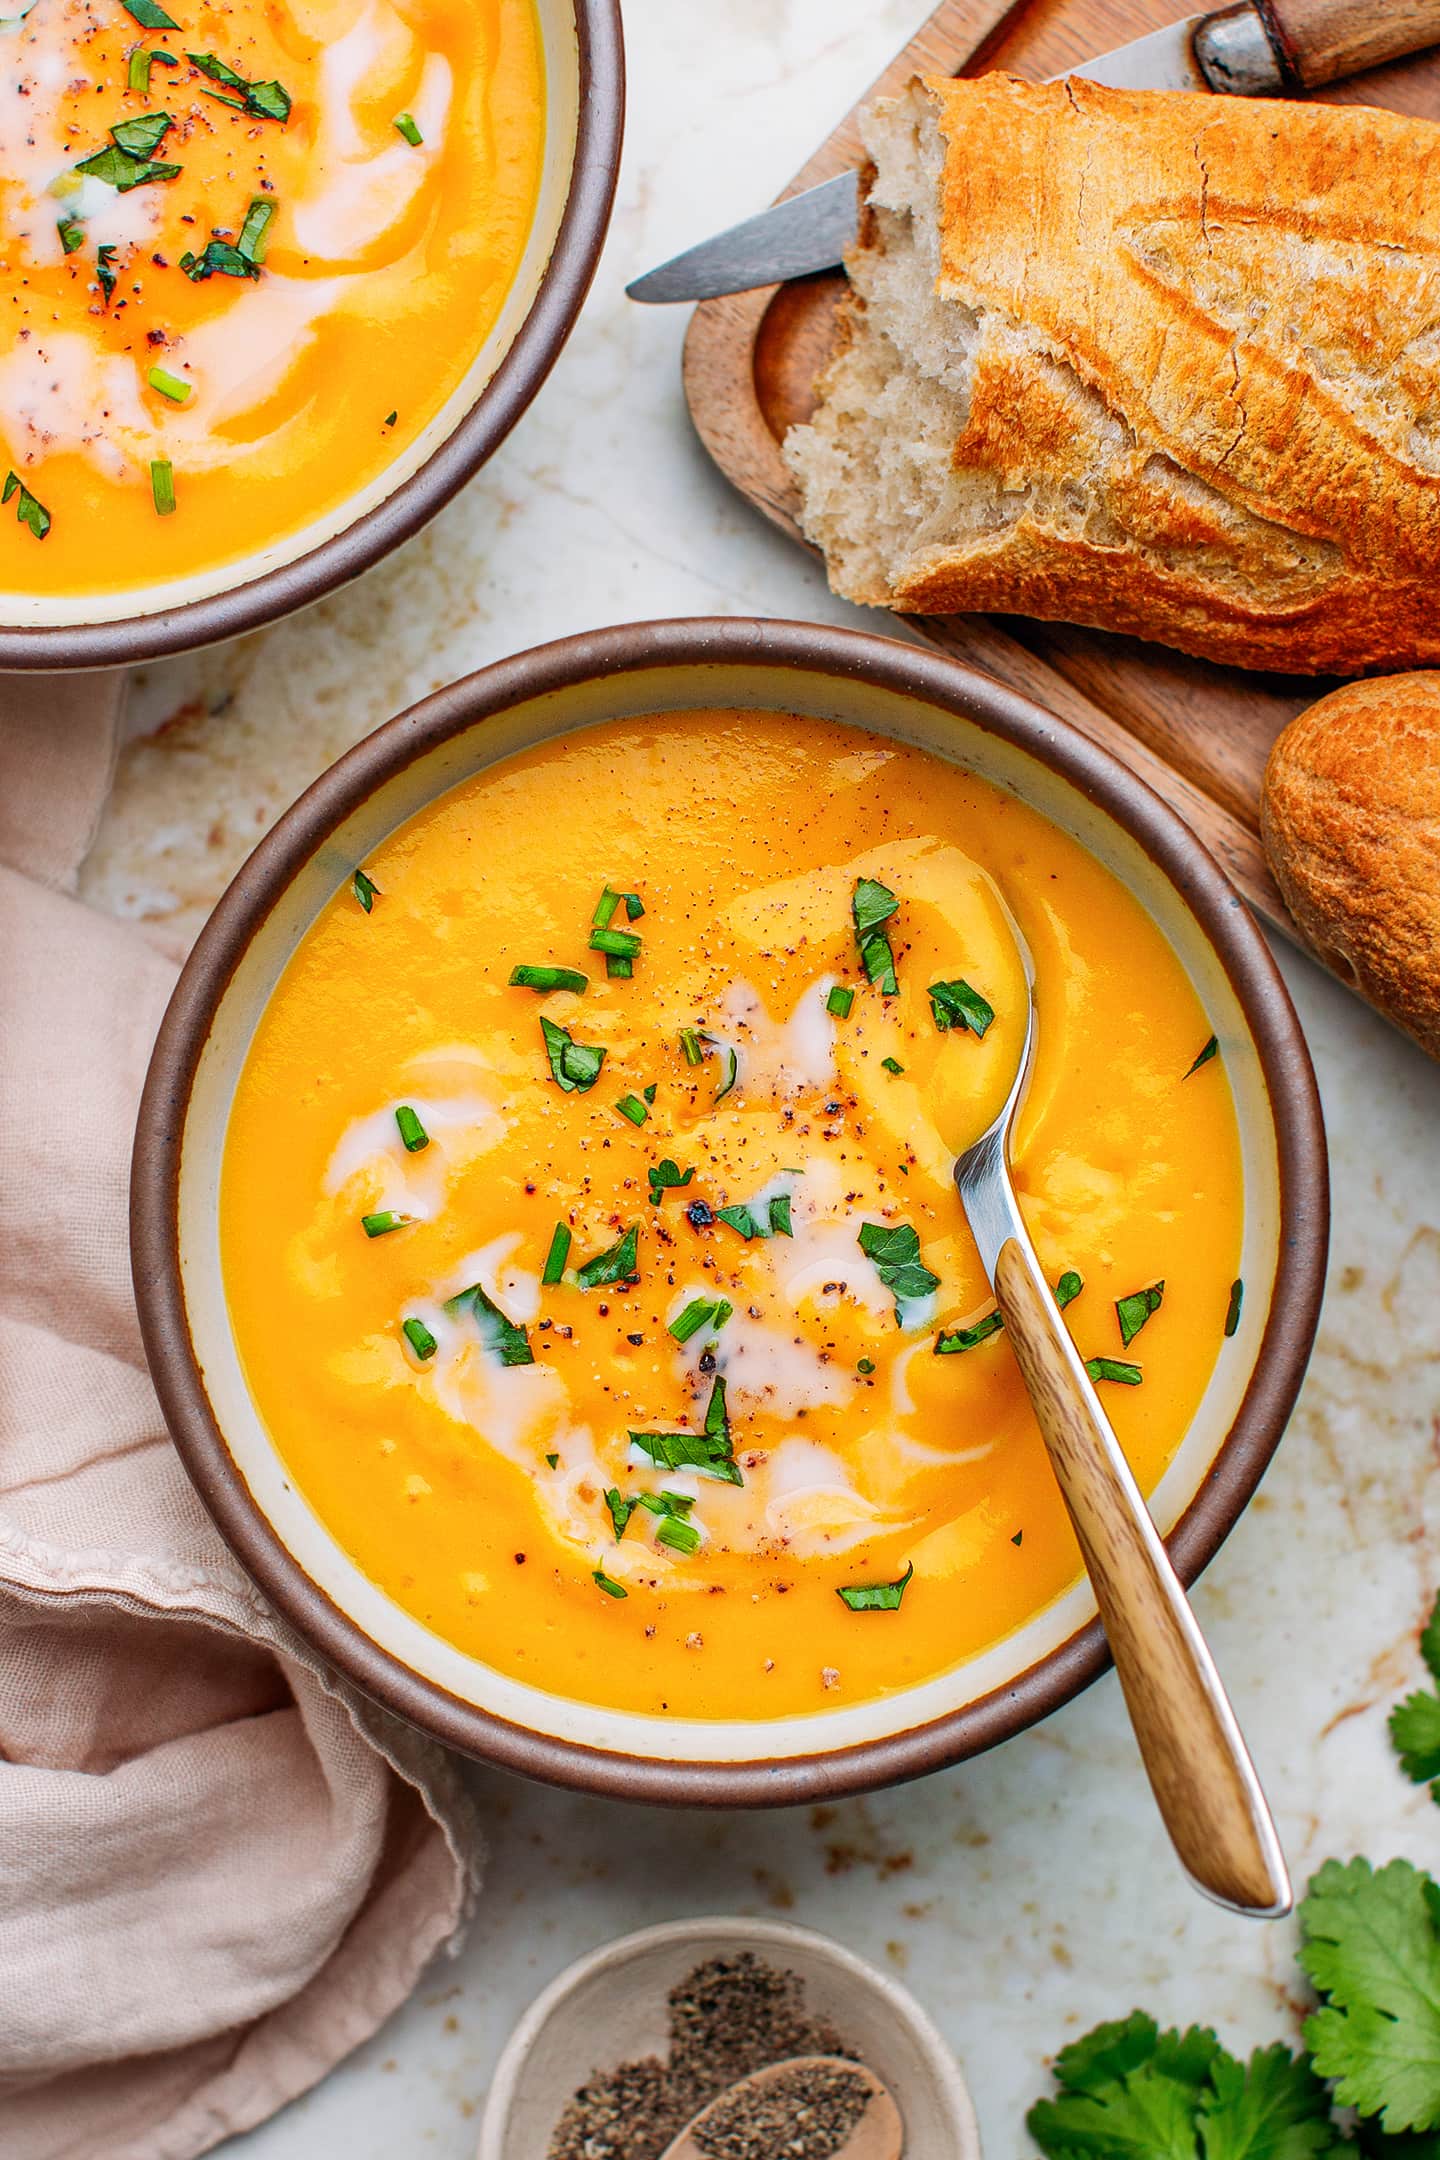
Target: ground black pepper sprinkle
[(805, 2115), (728, 2017)]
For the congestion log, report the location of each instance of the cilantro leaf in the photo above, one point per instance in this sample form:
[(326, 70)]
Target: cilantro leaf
[(872, 904), (1371, 1947), (1415, 1730), (617, 1263), (1430, 1641), (1271, 2108), (1129, 2093), (575, 1065), (502, 1337), (895, 1250)]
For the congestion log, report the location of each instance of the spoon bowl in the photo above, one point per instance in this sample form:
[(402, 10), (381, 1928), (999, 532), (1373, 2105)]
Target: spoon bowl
[(757, 2104)]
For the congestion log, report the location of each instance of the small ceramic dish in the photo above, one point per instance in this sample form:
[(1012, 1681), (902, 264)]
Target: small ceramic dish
[(890, 689), (610, 2007)]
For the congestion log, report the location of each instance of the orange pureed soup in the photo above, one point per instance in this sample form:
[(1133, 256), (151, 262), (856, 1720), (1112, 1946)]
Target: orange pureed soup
[(247, 259), (622, 1321)]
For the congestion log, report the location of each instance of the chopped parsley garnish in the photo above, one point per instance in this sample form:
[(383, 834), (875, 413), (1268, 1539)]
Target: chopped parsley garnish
[(700, 1313), (420, 1339), (876, 1597), (366, 891), (611, 1589), (254, 233), (383, 1222), (162, 486), (871, 905), (957, 1005), (839, 1002), (949, 1344), (498, 1332), (1211, 1049), (681, 1537), (142, 136), (558, 1254), (630, 1106), (616, 1264), (405, 124), (121, 170), (1132, 1312), (170, 386), (621, 1510), (895, 1252), (263, 100), (1237, 1300), (709, 1451), (729, 1068), (72, 234), (1116, 1369), (29, 510), (142, 60), (666, 1176), (219, 256), (549, 978), (412, 1132), (691, 1045), (149, 14), (761, 1218), (575, 1065), (892, 1065)]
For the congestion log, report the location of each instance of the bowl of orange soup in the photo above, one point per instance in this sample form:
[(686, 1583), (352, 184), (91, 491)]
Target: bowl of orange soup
[(282, 273), (544, 1229)]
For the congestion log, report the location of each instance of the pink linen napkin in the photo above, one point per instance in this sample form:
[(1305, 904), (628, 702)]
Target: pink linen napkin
[(220, 1869)]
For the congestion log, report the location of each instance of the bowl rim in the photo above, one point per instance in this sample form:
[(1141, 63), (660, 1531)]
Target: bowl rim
[(124, 640), (779, 1935), (638, 648)]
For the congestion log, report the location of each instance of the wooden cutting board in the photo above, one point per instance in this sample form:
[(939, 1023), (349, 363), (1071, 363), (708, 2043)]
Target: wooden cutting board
[(1199, 734)]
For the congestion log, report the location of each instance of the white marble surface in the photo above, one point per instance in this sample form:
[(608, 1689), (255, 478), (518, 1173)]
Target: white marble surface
[(1029, 1894)]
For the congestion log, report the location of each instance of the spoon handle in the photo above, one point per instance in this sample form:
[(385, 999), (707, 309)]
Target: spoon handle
[(1201, 1774)]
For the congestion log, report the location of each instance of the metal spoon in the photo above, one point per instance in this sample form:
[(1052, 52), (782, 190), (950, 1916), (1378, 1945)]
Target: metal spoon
[(1195, 1757), (879, 2134)]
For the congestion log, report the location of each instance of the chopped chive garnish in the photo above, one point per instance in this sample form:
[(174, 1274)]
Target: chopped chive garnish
[(1109, 1368), (162, 486), (630, 1106), (956, 1005), (405, 124), (170, 386), (616, 1264), (700, 1313), (892, 1065), (895, 1252), (649, 1093), (674, 1504), (866, 1366), (710, 1451), (621, 1510), (611, 1589), (876, 1597), (420, 1339), (691, 1045), (729, 1070), (618, 968), (366, 891), (412, 1132), (383, 1222), (840, 1001), (666, 1176), (1068, 1288), (1210, 1050), (149, 14), (872, 904), (30, 511), (1132, 1312), (139, 137), (953, 1340), (681, 1537), (576, 1066), (558, 1254), (142, 59), (498, 1332), (254, 233), (605, 909), (72, 234), (618, 944), (1237, 1299), (549, 978)]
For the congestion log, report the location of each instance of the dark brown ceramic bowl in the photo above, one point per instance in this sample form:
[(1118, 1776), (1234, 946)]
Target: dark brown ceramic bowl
[(891, 689), (585, 91)]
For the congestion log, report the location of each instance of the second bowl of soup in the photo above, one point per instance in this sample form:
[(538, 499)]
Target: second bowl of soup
[(546, 1233)]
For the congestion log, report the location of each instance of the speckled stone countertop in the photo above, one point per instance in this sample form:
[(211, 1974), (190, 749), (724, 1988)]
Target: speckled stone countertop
[(1031, 1893)]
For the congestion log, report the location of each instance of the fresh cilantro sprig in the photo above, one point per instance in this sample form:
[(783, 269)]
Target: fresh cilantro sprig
[(1371, 1947), (1415, 1723)]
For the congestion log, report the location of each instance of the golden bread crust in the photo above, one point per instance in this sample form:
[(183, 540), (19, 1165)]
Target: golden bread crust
[(1350, 817)]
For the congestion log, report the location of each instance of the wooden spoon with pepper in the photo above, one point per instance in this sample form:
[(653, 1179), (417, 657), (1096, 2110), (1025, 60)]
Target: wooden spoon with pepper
[(815, 2107)]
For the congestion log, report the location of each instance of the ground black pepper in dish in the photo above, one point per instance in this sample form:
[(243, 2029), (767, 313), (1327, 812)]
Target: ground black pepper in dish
[(806, 2115), (730, 2016)]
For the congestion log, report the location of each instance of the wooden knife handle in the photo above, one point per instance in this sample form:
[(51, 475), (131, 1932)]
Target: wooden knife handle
[(1201, 1775), (1318, 41)]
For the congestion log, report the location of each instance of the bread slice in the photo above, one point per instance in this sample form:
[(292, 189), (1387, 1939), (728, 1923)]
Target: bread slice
[(1350, 817), (1166, 364)]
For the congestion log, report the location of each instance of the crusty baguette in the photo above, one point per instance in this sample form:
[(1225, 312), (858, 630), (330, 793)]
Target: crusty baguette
[(1350, 816), (1167, 364)]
